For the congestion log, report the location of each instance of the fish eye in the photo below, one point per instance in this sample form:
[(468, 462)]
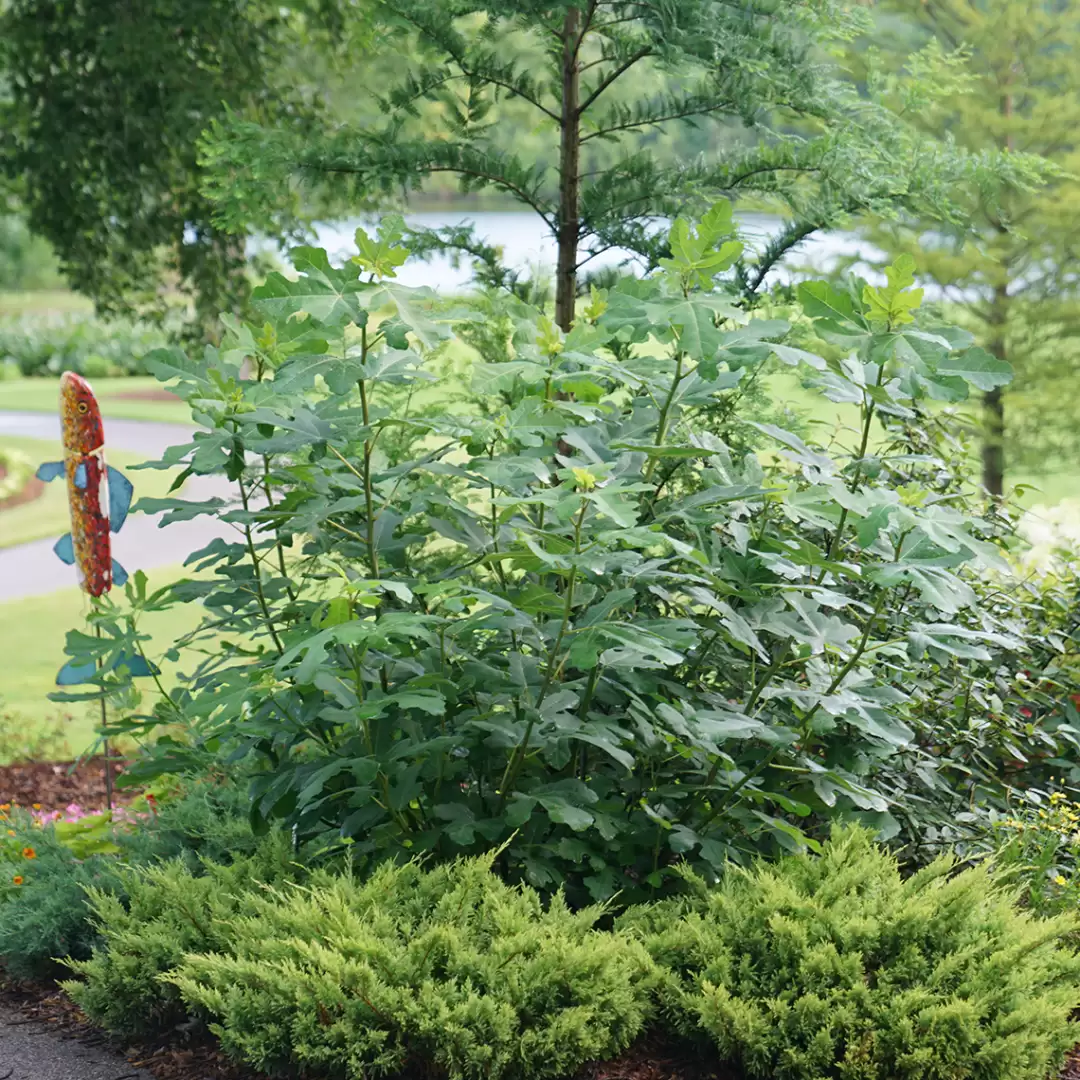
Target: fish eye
[(83, 406)]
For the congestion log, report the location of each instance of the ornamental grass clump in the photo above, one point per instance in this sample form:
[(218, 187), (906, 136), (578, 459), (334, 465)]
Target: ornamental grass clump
[(835, 967), (451, 968)]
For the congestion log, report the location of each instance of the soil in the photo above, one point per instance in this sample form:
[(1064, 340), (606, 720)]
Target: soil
[(32, 489), (657, 1058), (193, 1055), (53, 785), (1072, 1066), (146, 395), (193, 1058)]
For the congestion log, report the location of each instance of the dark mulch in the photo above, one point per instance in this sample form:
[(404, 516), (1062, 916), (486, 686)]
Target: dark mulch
[(1072, 1066), (190, 1056), (53, 785), (31, 490), (658, 1058)]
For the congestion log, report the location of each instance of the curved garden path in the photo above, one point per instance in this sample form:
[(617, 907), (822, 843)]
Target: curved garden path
[(31, 569)]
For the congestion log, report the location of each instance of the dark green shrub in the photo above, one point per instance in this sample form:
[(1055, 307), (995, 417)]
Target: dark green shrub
[(48, 917), (146, 926), (835, 967), (452, 967), (604, 617), (26, 260)]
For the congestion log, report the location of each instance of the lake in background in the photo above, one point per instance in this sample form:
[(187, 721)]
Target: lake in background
[(527, 244)]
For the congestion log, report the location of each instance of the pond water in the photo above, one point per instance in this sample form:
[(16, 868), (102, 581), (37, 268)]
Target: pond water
[(527, 244)]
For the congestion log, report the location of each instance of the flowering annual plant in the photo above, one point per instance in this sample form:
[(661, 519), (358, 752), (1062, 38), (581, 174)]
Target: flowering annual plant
[(15, 853), (1039, 846)]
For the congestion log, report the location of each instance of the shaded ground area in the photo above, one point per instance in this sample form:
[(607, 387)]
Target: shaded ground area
[(43, 1036), (65, 1040), (53, 785)]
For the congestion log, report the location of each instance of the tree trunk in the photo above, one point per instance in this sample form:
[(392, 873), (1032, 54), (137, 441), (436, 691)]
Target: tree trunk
[(569, 173), (993, 451), (993, 447)]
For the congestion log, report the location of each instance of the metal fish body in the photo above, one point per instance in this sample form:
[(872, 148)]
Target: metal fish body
[(98, 496)]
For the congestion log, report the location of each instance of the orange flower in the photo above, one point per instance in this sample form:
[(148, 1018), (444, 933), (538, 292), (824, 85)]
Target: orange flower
[(11, 832), (17, 879), (29, 853), (37, 806)]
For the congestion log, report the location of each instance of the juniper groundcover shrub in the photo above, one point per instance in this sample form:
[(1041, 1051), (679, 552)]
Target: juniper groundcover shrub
[(47, 917), (835, 966), (816, 967)]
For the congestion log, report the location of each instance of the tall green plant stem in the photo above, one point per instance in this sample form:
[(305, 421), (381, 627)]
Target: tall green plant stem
[(665, 413), (514, 764), (264, 606), (373, 555), (771, 756), (277, 532), (864, 442), (104, 737)]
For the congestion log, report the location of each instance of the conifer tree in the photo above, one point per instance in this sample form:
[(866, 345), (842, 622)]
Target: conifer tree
[(1013, 272), (795, 133)]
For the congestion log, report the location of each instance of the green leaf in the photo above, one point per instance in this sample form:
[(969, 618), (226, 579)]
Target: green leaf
[(977, 367), (322, 291)]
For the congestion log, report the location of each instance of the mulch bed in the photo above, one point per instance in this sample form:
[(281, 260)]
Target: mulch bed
[(194, 1055), (33, 488), (54, 785), (1072, 1066)]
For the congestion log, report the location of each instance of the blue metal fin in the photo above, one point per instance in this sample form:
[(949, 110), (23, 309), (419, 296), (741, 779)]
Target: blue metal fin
[(65, 549), (71, 674), (120, 492), (80, 476), (138, 665), (50, 470), (119, 574)]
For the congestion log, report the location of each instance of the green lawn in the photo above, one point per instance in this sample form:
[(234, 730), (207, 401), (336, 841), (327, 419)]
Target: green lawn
[(32, 634), (47, 515), (117, 397), (44, 302)]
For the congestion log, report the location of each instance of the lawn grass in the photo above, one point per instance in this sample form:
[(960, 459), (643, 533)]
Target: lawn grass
[(40, 395), (44, 302), (48, 515), (32, 632)]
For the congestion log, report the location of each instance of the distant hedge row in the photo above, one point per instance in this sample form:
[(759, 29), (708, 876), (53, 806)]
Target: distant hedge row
[(82, 343)]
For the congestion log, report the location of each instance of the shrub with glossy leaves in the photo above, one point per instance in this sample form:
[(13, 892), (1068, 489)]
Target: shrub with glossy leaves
[(607, 616), (836, 967)]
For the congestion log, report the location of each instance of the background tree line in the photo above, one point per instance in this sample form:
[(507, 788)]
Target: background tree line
[(145, 145)]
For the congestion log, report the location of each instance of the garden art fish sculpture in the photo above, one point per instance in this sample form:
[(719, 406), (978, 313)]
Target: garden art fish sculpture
[(99, 498)]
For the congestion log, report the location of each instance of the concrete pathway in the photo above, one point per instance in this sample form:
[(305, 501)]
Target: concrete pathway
[(33, 1050), (31, 569)]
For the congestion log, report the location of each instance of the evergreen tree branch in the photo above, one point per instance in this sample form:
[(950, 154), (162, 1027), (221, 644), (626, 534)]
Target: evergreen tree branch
[(613, 76)]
